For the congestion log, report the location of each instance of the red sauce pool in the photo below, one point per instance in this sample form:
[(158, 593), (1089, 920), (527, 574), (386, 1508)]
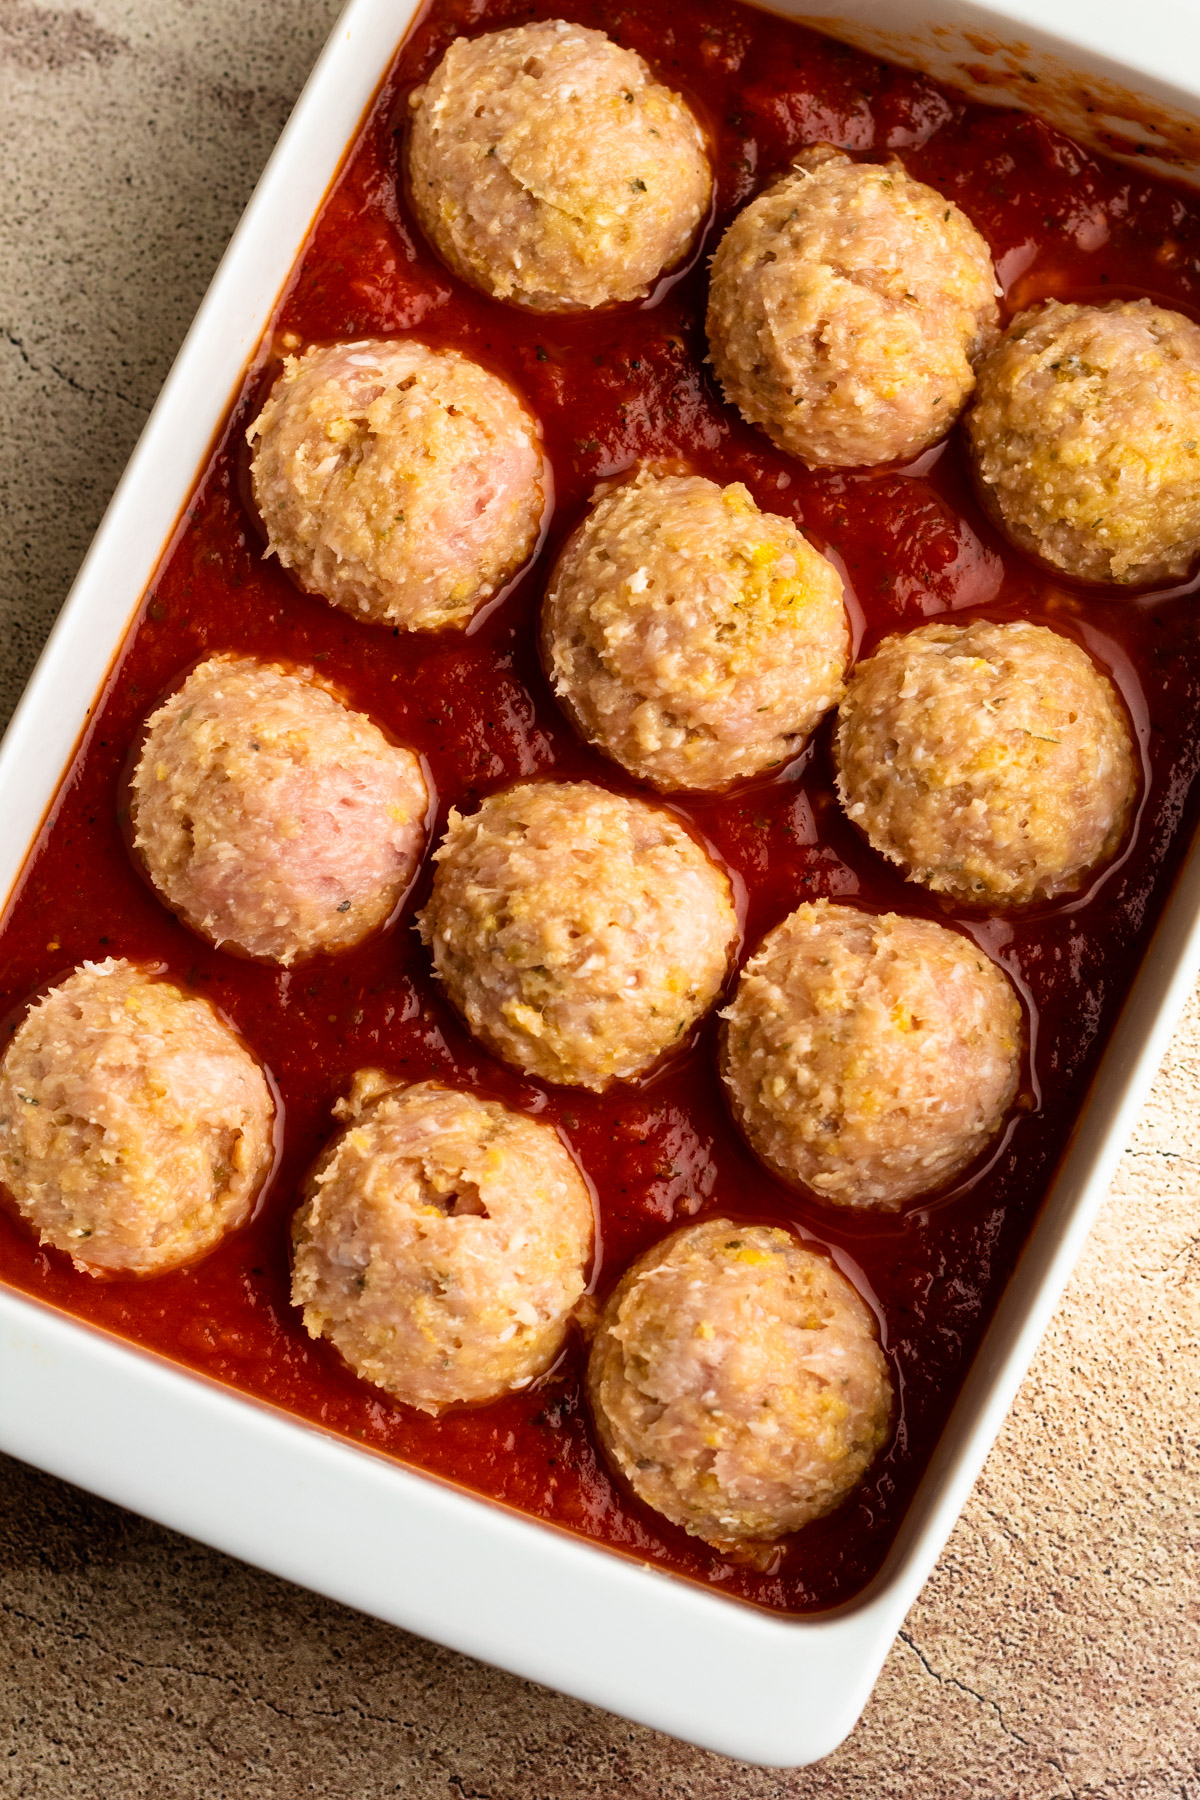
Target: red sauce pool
[(611, 388)]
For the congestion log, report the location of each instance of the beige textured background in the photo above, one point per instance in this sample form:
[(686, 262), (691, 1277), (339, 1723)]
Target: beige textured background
[(1056, 1651)]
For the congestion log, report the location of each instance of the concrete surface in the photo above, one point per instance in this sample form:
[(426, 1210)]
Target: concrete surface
[(1056, 1652)]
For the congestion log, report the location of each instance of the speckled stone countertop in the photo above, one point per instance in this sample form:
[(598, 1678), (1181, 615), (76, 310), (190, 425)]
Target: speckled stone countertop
[(1056, 1650)]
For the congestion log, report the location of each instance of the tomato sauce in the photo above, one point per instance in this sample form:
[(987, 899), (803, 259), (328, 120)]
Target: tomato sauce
[(610, 388)]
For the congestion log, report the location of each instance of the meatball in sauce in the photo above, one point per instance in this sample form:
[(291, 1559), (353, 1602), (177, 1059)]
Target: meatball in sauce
[(993, 762), (737, 1382), (403, 484), (443, 1245), (548, 167), (849, 305), (273, 819), (1084, 436), (870, 1058), (136, 1129), (691, 637), (580, 934)]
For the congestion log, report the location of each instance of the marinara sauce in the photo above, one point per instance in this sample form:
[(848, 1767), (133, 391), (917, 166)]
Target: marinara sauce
[(610, 388)]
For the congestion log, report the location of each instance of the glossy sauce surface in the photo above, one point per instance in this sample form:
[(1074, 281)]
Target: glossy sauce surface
[(610, 388)]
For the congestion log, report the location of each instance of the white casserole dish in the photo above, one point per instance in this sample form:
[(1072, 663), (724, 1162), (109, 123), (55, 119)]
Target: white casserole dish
[(362, 1530)]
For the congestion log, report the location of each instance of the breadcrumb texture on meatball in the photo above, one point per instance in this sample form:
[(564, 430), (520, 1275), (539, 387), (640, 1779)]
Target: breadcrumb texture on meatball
[(693, 638), (992, 762), (272, 818), (1085, 439), (738, 1384), (549, 168), (848, 306), (443, 1244), (136, 1129), (580, 934), (870, 1058), (405, 485)]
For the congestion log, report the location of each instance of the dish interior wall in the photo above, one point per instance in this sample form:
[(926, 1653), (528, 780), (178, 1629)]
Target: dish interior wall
[(1105, 101)]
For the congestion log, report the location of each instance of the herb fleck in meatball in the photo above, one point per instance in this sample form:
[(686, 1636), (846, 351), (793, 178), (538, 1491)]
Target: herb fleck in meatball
[(737, 1383), (405, 485), (691, 637), (870, 1058), (549, 168), (443, 1243), (848, 307), (992, 762), (580, 934), (272, 818), (136, 1129), (1085, 439)]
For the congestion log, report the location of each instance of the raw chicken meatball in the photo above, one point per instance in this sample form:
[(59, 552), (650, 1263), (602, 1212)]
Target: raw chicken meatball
[(405, 485), (691, 637), (580, 934), (1085, 439), (549, 168), (848, 306), (992, 762), (136, 1129), (443, 1243), (870, 1058), (737, 1383), (273, 819)]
